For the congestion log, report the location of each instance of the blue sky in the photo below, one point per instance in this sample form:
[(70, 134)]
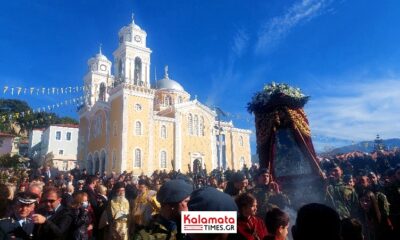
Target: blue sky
[(344, 54)]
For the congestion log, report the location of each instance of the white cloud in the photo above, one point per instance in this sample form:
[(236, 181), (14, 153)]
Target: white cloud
[(278, 27), (227, 73), (240, 42), (358, 111)]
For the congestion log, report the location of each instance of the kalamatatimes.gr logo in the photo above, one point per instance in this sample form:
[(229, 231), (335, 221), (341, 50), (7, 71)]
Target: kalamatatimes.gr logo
[(209, 222)]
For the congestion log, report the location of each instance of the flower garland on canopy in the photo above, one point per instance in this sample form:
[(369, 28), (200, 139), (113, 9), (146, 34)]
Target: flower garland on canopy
[(275, 95)]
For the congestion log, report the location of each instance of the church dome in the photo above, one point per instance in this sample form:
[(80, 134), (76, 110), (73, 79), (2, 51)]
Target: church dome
[(100, 56), (167, 83)]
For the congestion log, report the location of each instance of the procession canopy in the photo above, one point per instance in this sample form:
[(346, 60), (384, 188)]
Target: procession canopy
[(284, 143)]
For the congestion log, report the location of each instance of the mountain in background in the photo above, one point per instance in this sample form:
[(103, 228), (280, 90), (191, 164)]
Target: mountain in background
[(323, 144), (366, 146)]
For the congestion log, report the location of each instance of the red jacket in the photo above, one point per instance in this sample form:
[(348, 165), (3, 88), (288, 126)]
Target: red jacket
[(252, 228)]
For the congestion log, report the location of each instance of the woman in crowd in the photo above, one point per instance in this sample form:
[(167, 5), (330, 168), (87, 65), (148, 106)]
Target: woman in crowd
[(277, 223), (376, 227), (83, 218), (249, 225)]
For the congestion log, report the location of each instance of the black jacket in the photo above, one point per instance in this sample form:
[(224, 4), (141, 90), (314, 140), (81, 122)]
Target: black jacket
[(56, 227)]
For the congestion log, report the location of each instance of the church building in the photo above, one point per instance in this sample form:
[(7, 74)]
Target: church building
[(128, 124)]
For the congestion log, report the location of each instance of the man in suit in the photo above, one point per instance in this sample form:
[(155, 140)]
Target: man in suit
[(20, 225), (49, 173), (54, 220)]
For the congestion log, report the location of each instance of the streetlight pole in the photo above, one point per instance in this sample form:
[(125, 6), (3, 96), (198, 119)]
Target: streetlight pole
[(219, 111)]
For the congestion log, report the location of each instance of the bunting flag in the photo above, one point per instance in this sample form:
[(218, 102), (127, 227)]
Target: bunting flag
[(43, 90), (13, 116)]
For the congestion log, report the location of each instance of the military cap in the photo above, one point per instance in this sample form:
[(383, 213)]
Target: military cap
[(346, 178), (238, 177), (210, 199), (331, 165), (174, 191), (27, 198), (262, 171), (81, 181)]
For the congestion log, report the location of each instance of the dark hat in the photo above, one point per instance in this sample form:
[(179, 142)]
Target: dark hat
[(331, 165), (185, 178), (27, 198), (262, 171), (119, 185), (174, 191), (143, 182), (211, 199), (238, 177), (346, 178)]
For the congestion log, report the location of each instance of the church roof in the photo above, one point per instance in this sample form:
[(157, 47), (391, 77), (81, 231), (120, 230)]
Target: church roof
[(101, 57), (167, 83)]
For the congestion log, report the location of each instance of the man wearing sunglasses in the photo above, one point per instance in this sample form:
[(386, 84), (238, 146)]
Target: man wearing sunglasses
[(53, 221)]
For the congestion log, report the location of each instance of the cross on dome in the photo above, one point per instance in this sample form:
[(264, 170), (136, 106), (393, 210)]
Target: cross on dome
[(166, 71)]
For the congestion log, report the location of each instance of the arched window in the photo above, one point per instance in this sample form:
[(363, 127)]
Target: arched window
[(163, 159), (138, 72), (190, 121), (102, 93), (242, 162), (163, 131), (114, 159), (138, 128), (167, 100), (138, 158), (241, 141), (180, 100), (196, 125), (120, 69), (201, 126), (90, 163), (96, 163), (115, 129), (103, 162)]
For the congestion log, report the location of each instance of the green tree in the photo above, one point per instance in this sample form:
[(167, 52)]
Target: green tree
[(8, 161)]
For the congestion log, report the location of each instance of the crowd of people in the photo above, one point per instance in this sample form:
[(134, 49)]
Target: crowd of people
[(46, 204)]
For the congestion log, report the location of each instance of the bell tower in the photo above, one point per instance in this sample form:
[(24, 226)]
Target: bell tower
[(98, 79), (132, 57)]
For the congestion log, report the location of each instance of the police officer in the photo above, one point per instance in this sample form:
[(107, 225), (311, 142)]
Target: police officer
[(173, 196), (20, 225)]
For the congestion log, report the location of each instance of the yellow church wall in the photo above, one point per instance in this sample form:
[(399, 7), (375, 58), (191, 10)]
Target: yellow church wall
[(160, 97), (196, 144), (115, 142), (228, 146), (135, 141), (97, 142), (163, 144), (241, 151)]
